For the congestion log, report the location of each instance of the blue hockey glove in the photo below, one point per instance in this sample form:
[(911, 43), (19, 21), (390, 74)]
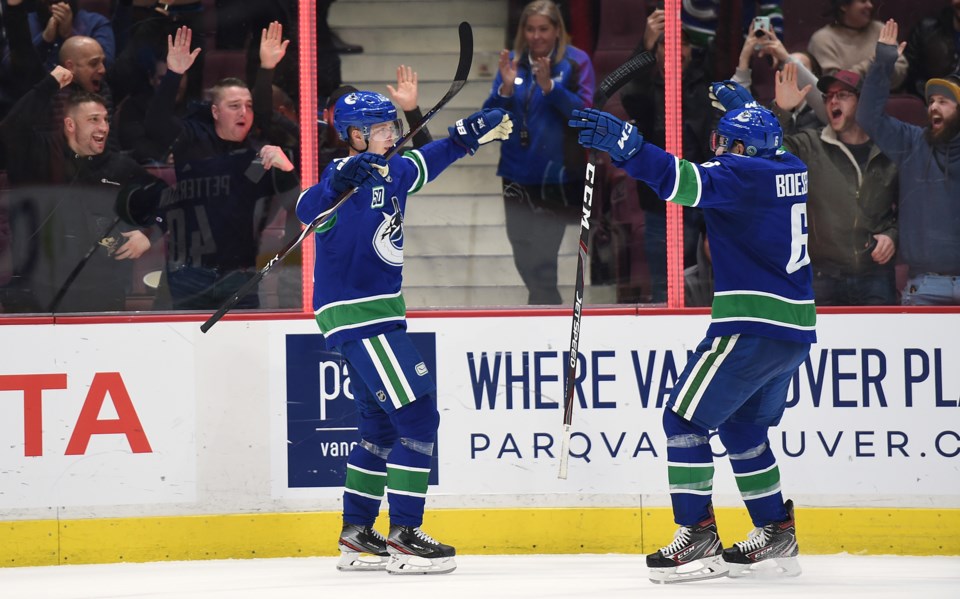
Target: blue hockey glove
[(363, 170), (603, 131), (481, 127), (729, 95)]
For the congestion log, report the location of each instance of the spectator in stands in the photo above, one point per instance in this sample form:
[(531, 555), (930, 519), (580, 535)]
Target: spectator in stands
[(934, 48), (56, 21), (851, 196), (848, 42), (227, 185), (721, 25), (929, 162), (643, 100), (540, 82), (63, 206), (142, 28), (810, 113), (132, 113)]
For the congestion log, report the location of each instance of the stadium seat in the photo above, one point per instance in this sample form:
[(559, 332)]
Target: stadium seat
[(908, 108), (801, 18), (622, 23), (908, 14), (223, 63)]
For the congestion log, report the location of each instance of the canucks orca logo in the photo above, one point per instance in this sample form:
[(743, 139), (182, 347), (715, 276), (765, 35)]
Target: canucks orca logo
[(388, 238)]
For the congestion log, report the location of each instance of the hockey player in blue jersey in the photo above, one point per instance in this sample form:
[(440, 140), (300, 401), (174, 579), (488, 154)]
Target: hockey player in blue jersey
[(753, 197), (360, 310)]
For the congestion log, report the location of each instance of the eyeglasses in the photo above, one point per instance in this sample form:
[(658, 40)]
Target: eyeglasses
[(387, 131), (841, 95)]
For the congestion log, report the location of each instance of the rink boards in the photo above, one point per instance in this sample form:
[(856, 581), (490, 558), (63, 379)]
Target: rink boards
[(138, 441)]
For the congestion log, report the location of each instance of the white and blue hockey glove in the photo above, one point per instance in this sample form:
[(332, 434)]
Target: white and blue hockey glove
[(363, 170), (481, 127), (729, 95), (603, 131)]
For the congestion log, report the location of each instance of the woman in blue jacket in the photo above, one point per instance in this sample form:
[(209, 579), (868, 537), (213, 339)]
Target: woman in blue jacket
[(540, 83)]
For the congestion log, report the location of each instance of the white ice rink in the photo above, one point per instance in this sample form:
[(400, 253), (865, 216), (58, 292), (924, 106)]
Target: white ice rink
[(487, 577)]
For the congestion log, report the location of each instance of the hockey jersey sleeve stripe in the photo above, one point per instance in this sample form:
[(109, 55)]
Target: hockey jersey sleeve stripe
[(748, 305), (359, 312), (327, 225), (687, 185), (416, 158)]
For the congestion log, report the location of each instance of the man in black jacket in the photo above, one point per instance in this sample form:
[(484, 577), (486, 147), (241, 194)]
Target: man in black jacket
[(68, 252)]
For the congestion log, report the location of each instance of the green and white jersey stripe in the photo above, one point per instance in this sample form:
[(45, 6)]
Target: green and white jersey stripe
[(687, 186), (768, 308), (703, 372), (363, 311), (759, 484), (416, 158), (407, 480), (397, 386), (695, 479), (366, 483)]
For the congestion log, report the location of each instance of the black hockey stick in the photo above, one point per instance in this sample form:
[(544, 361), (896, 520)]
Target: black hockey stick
[(460, 79), (79, 267), (609, 86)]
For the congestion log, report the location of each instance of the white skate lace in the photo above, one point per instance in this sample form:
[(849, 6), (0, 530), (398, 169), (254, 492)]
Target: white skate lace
[(681, 538), (755, 540), (376, 533), (424, 536)]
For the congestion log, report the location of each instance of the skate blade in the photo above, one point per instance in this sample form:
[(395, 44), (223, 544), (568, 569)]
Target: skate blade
[(361, 562), (413, 564), (779, 567), (704, 569)]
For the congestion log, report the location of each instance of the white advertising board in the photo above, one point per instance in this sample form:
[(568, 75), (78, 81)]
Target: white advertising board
[(872, 417), (96, 415)]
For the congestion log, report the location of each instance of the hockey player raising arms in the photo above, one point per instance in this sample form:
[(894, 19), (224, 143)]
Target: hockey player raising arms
[(753, 197), (361, 312)]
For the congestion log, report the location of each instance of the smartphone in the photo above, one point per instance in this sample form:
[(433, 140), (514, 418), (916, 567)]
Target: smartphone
[(255, 171), (761, 24)]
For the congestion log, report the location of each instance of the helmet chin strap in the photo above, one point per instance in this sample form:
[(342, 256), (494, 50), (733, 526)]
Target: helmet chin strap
[(358, 150)]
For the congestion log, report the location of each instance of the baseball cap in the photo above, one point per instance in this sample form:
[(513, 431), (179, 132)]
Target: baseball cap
[(948, 86), (852, 80)]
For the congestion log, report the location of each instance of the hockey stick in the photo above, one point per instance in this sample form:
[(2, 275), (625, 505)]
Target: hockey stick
[(79, 267), (609, 86), (460, 79)]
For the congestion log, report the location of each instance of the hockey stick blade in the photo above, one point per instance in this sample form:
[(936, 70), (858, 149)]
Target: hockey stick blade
[(460, 79), (619, 77), (609, 86)]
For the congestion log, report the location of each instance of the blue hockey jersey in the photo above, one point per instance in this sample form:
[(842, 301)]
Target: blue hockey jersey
[(756, 216), (359, 250)]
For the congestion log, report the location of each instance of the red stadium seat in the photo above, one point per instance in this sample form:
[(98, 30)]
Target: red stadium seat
[(223, 63), (908, 108), (908, 14), (800, 19), (622, 23)]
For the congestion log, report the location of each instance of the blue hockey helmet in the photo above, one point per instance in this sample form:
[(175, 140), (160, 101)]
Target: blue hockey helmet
[(362, 110), (756, 128)]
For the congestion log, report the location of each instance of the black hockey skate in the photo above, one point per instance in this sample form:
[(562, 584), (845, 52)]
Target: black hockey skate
[(768, 552), (412, 551), (694, 554), (362, 549)]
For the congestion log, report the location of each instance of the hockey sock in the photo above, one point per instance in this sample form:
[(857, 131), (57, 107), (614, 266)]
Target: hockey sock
[(408, 468), (689, 469), (755, 468), (366, 479)]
